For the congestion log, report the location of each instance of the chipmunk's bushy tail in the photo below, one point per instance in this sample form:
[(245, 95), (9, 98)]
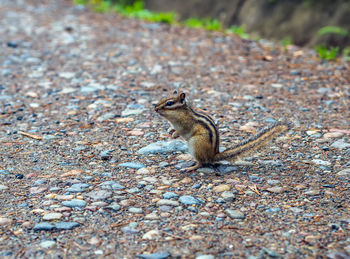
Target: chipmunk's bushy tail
[(253, 143)]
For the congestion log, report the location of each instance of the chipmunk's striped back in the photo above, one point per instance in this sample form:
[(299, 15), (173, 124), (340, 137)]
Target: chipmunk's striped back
[(206, 121)]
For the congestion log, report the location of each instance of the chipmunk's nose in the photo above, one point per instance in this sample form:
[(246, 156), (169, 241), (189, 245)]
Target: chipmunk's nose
[(156, 109)]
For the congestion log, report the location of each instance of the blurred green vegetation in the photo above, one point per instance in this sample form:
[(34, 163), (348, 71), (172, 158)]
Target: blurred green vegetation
[(207, 23), (333, 30), (240, 31), (327, 53)]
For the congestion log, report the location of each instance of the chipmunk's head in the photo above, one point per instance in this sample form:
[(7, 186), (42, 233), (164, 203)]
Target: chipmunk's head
[(169, 106)]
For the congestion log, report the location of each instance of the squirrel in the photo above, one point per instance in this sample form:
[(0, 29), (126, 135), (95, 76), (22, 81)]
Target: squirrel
[(202, 136)]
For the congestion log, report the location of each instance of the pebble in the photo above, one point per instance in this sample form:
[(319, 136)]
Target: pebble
[(333, 135), (272, 210), (132, 165), (131, 112), (113, 206), (106, 116), (64, 197), (275, 189), (43, 227), (340, 144), (37, 190), (234, 214), (47, 244), (74, 203), (152, 216), (222, 188), (3, 187), (228, 196), (66, 225), (164, 147), (99, 204), (78, 187), (91, 88), (129, 230), (273, 182), (312, 192), (270, 120), (106, 154), (296, 209), (170, 195), (150, 179), (188, 200), (205, 257), (52, 216), (135, 210), (320, 162), (159, 255), (5, 221), (225, 169), (112, 185), (165, 202), (152, 235), (99, 195), (344, 172)]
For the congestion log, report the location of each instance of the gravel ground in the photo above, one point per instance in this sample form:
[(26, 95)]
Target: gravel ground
[(88, 169)]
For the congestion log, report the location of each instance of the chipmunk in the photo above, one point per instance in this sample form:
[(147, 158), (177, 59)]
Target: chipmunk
[(202, 136)]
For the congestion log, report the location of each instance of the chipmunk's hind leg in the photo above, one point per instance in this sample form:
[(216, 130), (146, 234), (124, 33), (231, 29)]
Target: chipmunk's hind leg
[(192, 168)]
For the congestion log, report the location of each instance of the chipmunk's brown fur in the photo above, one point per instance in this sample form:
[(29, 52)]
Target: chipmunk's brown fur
[(202, 136)]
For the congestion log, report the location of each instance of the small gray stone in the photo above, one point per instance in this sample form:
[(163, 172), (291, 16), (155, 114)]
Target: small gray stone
[(344, 172), (228, 196), (106, 154), (106, 116), (129, 230), (205, 257), (273, 182), (234, 214), (270, 120), (159, 255), (47, 244), (91, 88), (52, 216), (74, 203), (135, 210), (78, 187), (163, 147), (67, 225), (164, 202), (99, 195), (296, 209), (225, 169), (320, 162), (3, 187), (113, 206), (340, 144), (189, 200), (132, 165), (312, 192), (131, 112), (170, 195), (43, 227), (111, 185)]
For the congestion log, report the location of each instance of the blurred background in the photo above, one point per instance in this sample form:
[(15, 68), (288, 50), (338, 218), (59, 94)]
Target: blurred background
[(322, 25)]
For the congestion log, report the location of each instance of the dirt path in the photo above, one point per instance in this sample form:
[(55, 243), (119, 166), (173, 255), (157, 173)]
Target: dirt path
[(77, 91)]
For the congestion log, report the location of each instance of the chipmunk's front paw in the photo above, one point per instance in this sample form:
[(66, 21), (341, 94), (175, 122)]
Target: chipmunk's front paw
[(174, 133)]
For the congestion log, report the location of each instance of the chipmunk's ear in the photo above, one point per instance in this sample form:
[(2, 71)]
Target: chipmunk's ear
[(175, 92), (182, 97)]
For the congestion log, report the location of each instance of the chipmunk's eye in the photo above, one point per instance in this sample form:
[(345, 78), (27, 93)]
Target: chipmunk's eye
[(170, 103)]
